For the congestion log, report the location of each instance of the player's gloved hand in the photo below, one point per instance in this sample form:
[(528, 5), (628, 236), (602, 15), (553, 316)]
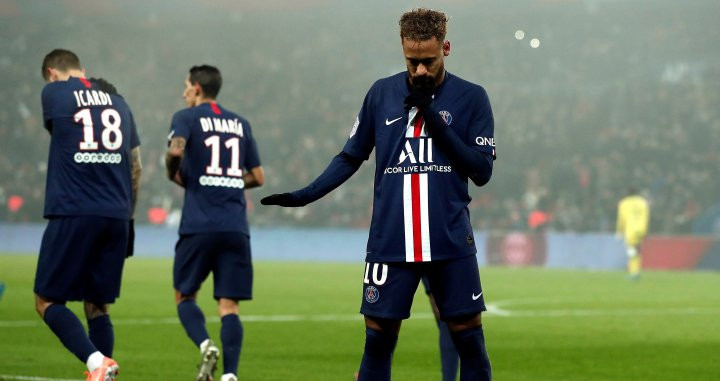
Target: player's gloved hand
[(104, 85), (131, 239), (420, 97), (283, 199)]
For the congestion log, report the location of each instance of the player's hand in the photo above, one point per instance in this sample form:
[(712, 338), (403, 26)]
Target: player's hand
[(420, 97), (131, 239), (283, 199), (104, 85)]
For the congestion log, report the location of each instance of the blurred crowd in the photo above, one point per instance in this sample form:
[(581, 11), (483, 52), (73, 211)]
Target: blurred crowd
[(602, 105)]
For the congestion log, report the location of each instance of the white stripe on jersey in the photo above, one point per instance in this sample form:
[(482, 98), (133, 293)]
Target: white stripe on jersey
[(423, 214), (424, 217), (407, 214)]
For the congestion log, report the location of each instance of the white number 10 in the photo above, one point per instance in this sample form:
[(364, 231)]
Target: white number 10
[(233, 145)]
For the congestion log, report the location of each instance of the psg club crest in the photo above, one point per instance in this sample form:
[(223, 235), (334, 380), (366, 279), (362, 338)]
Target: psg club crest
[(372, 294), (446, 116)]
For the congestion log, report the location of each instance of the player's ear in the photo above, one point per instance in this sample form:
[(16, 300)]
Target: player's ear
[(198, 89), (446, 48)]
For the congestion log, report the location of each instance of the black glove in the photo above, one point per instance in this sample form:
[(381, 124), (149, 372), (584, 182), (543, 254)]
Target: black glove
[(420, 97), (283, 199), (104, 85), (131, 239)]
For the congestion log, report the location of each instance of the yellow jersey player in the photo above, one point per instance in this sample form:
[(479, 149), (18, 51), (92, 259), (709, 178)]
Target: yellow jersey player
[(632, 224)]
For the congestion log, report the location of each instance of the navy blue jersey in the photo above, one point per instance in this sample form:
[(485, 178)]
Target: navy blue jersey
[(92, 134), (420, 202), (219, 148)]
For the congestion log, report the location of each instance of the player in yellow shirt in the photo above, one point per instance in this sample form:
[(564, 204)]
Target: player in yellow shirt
[(632, 224)]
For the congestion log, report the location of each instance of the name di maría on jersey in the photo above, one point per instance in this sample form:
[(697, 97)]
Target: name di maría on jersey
[(85, 98), (230, 126)]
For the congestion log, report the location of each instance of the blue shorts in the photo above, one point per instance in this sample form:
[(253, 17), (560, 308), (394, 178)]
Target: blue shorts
[(225, 254), (82, 258), (389, 288)]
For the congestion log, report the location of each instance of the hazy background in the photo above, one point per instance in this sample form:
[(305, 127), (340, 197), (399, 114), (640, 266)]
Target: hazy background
[(617, 94)]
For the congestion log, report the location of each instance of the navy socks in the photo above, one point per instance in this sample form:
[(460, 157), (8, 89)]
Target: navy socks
[(474, 361), (448, 354), (377, 358), (101, 334), (231, 336), (193, 320), (68, 328)]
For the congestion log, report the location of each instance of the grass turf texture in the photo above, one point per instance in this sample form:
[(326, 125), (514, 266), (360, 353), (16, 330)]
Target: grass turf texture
[(547, 325)]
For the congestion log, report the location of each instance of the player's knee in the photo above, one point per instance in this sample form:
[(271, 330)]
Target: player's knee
[(94, 310), (41, 305), (390, 326), (180, 297), (464, 322), (227, 307)]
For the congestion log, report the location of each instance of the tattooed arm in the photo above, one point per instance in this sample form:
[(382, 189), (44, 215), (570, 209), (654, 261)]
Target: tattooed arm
[(173, 157)]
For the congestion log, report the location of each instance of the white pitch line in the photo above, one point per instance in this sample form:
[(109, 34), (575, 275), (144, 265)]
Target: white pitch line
[(9, 377), (493, 309)]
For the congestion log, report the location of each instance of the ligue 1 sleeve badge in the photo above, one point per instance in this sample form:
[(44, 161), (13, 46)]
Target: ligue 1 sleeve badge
[(372, 294)]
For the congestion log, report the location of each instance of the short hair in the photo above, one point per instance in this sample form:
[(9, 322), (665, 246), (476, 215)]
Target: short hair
[(422, 24), (209, 79), (60, 59)]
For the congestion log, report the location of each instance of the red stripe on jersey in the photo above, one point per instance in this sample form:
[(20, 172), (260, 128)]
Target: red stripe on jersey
[(415, 190), (418, 127), (85, 82), (417, 232), (215, 108)]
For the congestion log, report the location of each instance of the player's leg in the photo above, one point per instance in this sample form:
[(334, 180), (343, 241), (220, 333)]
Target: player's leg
[(634, 260), (190, 268), (459, 296), (194, 254), (388, 290), (60, 276), (102, 288), (231, 337), (449, 359), (100, 328), (66, 326), (233, 279)]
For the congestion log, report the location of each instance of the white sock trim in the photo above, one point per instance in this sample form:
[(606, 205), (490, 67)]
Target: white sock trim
[(204, 345), (228, 377), (94, 361)]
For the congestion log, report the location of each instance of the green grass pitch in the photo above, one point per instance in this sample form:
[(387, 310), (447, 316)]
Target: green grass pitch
[(303, 325)]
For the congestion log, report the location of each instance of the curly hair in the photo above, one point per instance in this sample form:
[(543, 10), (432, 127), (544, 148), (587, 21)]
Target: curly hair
[(422, 24)]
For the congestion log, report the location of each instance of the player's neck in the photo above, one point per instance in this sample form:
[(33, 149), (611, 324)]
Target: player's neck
[(75, 73), (204, 100)]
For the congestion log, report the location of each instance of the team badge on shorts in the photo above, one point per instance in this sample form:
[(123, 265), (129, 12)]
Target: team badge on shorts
[(372, 294), (446, 116)]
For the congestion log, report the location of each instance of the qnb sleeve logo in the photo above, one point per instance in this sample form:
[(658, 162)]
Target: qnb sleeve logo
[(483, 141)]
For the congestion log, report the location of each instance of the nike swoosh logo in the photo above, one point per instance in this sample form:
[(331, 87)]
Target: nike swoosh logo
[(389, 122), (475, 297)]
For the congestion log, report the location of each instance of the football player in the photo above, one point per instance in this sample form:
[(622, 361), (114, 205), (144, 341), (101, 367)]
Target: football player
[(93, 179), (432, 132), (212, 154)]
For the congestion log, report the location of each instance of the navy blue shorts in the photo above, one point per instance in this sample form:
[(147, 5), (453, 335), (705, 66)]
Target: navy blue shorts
[(82, 258), (225, 254), (389, 288)]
